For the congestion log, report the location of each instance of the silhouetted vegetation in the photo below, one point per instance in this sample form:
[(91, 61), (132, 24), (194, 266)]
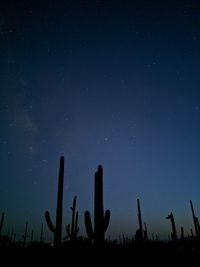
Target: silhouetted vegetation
[(57, 230), (139, 232), (96, 232), (101, 220), (73, 229), (173, 234), (196, 221)]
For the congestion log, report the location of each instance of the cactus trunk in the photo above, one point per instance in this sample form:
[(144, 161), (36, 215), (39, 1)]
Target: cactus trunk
[(140, 221), (57, 230), (98, 208), (194, 220)]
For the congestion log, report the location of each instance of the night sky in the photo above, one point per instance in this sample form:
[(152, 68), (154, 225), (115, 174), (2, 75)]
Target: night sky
[(101, 82)]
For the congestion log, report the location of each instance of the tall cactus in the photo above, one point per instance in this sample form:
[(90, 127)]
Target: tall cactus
[(173, 234), (57, 229), (139, 232), (195, 220), (140, 218), (72, 230), (101, 220)]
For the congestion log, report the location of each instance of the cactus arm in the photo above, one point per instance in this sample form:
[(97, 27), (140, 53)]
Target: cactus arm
[(106, 220), (49, 223), (88, 225)]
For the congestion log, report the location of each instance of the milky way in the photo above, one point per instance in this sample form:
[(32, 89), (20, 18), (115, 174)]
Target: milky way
[(100, 82)]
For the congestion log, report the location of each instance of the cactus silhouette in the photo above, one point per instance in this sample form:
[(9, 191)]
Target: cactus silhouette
[(57, 229), (173, 234), (72, 230), (101, 220), (195, 220), (139, 232), (1, 224)]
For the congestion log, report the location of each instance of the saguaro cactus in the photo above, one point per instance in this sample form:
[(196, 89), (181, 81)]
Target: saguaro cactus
[(57, 229), (173, 234), (139, 232), (101, 220), (195, 219), (140, 218), (72, 230)]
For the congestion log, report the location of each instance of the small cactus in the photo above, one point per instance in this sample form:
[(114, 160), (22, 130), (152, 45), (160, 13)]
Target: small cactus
[(72, 230), (57, 229), (173, 234), (101, 220)]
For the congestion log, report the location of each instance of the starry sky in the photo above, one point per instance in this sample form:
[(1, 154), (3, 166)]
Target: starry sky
[(101, 82)]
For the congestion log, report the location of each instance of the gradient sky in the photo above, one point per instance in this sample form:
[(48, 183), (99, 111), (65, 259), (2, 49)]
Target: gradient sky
[(101, 82)]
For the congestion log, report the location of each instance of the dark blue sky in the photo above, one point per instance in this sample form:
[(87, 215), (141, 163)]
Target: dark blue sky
[(101, 82)]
